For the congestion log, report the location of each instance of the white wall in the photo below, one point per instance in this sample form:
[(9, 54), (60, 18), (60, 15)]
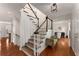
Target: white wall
[(75, 29), (15, 30), (61, 26)]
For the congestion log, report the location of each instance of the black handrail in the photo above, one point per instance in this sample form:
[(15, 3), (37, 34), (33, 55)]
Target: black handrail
[(36, 32)]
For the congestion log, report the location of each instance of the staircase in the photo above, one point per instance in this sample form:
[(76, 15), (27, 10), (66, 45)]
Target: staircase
[(37, 39), (28, 48)]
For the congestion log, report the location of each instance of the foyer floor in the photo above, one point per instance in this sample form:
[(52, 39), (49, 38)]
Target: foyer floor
[(60, 49), (9, 49), (53, 52)]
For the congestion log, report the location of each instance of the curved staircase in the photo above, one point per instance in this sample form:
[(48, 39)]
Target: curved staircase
[(28, 48), (34, 44)]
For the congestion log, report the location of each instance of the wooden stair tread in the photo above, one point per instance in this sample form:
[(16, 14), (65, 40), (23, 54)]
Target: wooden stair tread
[(32, 41), (30, 45), (28, 50), (42, 34)]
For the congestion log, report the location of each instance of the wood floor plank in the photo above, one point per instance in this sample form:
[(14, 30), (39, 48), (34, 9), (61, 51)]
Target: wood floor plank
[(9, 49), (58, 50)]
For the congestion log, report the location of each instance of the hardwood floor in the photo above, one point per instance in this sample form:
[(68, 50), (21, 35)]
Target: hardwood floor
[(53, 52), (9, 49), (60, 49)]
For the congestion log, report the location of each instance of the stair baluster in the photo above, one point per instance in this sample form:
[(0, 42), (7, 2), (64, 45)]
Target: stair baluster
[(35, 35)]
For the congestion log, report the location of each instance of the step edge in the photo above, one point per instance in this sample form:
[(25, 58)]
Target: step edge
[(30, 47), (26, 52)]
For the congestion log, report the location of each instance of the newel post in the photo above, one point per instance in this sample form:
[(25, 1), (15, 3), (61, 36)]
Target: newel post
[(46, 23)]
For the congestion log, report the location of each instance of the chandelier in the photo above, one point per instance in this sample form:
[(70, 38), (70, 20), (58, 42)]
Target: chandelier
[(53, 7)]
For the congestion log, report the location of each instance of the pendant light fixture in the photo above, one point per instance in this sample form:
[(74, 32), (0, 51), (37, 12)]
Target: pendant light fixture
[(53, 7)]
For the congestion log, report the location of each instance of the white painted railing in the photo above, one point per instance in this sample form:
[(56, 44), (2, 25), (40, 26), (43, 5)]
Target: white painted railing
[(36, 44)]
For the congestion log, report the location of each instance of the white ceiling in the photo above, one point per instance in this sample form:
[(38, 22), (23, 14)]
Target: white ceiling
[(62, 9), (9, 9)]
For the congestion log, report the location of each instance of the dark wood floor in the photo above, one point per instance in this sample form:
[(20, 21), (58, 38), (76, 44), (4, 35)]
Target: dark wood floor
[(9, 49)]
